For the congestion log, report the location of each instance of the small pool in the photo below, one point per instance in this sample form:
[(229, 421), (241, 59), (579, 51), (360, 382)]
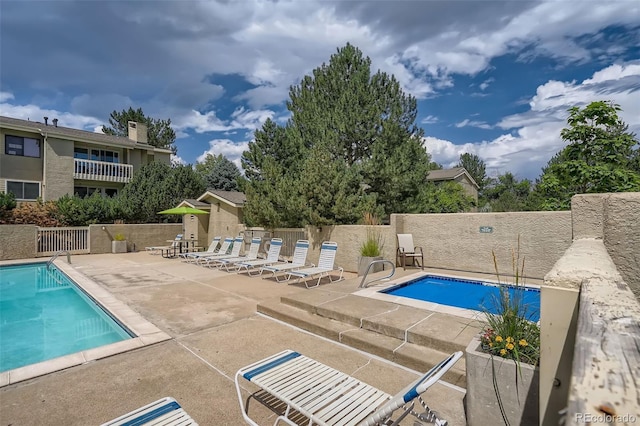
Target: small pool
[(44, 315), (467, 294)]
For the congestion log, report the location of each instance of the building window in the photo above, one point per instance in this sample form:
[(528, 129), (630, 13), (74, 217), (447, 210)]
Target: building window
[(24, 147), (84, 191), (104, 155), (24, 190), (81, 153)]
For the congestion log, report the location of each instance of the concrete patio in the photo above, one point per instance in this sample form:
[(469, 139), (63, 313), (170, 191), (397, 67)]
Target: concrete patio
[(215, 329)]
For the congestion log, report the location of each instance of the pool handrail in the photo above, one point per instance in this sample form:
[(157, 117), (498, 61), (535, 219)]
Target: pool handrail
[(374, 262), (55, 256)]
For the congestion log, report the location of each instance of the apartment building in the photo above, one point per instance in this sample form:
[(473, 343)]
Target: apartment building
[(42, 159)]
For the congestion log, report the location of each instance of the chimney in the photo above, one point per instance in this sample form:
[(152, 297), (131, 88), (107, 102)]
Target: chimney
[(137, 132), (55, 122), (45, 121)]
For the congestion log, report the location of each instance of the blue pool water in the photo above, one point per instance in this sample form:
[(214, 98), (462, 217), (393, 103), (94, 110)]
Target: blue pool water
[(465, 294), (44, 315)]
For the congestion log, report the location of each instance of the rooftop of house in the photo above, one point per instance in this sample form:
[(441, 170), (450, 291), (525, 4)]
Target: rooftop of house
[(449, 174), (235, 198)]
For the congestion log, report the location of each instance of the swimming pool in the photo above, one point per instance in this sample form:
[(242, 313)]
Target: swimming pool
[(466, 294), (44, 315)]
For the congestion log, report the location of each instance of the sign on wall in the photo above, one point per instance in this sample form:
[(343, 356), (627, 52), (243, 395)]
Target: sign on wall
[(486, 229)]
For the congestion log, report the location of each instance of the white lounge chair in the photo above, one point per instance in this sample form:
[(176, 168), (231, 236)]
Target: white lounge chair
[(209, 261), (191, 257), (272, 257), (222, 250), (299, 261), (158, 249), (406, 250), (227, 262), (326, 264), (327, 396), (165, 411)]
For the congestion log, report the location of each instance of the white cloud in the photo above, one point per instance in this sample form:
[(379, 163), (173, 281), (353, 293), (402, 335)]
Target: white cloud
[(6, 96), (429, 119), (473, 123), (35, 113), (483, 86), (232, 150)]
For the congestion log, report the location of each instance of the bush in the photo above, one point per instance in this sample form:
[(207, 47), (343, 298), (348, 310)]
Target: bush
[(372, 246), (7, 203), (38, 213), (119, 237)]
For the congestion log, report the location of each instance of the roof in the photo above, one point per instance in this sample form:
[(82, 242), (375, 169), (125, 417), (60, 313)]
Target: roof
[(450, 174), (235, 198), (195, 204), (74, 134)]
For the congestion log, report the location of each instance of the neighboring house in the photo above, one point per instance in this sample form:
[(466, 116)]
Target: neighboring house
[(459, 175), (47, 161), (226, 217)]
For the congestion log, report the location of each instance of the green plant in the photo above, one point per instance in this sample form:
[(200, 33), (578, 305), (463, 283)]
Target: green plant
[(119, 237), (372, 246)]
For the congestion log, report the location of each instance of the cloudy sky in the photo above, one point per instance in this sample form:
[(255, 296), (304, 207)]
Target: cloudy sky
[(493, 78)]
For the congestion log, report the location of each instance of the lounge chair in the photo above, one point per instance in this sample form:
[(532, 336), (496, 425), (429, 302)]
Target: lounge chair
[(191, 257), (326, 264), (272, 257), (222, 250), (327, 396), (299, 261), (158, 249), (227, 262), (406, 249), (165, 411), (235, 252)]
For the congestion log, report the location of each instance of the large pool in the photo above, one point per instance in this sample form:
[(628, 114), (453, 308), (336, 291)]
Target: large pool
[(467, 294), (44, 315)]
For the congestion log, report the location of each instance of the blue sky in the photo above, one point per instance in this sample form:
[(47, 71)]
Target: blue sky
[(493, 78)]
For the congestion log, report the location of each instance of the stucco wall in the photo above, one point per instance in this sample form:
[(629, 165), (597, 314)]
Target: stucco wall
[(454, 241), (18, 167), (58, 172), (18, 241), (138, 236), (224, 220)]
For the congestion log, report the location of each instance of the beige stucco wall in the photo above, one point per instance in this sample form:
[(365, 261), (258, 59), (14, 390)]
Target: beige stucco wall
[(468, 187), (454, 241), (138, 236), (58, 171), (18, 167), (196, 227), (17, 241), (224, 220)]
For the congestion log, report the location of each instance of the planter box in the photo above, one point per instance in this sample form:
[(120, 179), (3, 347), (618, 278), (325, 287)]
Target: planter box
[(521, 404), (118, 246), (363, 264)]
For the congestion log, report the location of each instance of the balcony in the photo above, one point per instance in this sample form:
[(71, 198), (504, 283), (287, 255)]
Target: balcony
[(102, 171)]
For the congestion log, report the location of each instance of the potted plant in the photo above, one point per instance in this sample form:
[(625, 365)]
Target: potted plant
[(502, 362), (371, 248), (119, 244)]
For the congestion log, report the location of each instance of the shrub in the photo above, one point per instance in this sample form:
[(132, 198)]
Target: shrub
[(38, 213), (7, 203), (374, 243), (119, 237)]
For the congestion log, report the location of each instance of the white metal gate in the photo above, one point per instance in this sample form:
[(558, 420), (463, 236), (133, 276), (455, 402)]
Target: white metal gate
[(75, 240)]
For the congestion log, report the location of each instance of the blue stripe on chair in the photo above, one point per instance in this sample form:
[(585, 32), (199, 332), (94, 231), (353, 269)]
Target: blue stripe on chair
[(413, 393), (256, 240), (251, 374), (306, 245), (329, 248), (160, 411), (276, 243)]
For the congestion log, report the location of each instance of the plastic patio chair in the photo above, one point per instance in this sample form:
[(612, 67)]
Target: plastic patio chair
[(406, 250)]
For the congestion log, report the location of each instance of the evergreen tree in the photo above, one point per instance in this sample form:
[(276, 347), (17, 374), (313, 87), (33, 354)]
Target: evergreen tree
[(476, 168), (159, 132), (218, 172)]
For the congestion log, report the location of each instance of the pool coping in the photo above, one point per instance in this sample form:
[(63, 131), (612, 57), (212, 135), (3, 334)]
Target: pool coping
[(145, 333), (375, 292)]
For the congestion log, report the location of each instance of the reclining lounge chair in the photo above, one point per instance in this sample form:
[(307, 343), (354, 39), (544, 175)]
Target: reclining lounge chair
[(235, 252), (299, 261), (272, 257), (326, 264), (227, 262), (165, 411), (191, 257), (159, 249), (329, 397)]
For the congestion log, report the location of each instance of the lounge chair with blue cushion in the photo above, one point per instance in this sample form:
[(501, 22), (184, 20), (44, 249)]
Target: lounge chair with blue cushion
[(326, 264), (165, 411), (299, 261), (158, 249), (237, 245), (273, 256), (326, 396), (191, 257), (229, 262)]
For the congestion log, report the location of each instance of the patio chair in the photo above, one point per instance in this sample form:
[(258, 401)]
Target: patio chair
[(272, 257), (191, 257), (158, 249), (165, 411), (406, 250), (299, 261), (209, 261), (326, 396), (222, 250), (326, 264), (252, 254)]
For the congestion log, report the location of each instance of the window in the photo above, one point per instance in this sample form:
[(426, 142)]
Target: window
[(83, 191), (81, 153), (24, 190), (103, 155), (24, 147)]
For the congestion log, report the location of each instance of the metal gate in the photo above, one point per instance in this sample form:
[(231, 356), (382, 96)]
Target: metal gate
[(75, 240)]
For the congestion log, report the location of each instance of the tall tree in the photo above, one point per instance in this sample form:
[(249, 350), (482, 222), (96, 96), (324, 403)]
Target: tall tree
[(159, 132), (506, 194), (476, 168), (218, 172), (599, 157)]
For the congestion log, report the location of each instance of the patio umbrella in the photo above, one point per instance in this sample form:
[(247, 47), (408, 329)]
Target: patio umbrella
[(183, 210)]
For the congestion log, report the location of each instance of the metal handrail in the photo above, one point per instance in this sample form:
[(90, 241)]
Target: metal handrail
[(393, 271), (55, 256)]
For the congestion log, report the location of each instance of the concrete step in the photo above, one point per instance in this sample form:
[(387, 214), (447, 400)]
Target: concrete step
[(415, 356)]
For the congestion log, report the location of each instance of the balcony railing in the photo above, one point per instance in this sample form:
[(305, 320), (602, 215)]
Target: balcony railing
[(101, 170)]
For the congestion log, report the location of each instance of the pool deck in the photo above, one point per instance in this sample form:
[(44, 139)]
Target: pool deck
[(214, 328)]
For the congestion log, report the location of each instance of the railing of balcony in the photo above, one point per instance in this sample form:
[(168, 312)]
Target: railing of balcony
[(102, 171)]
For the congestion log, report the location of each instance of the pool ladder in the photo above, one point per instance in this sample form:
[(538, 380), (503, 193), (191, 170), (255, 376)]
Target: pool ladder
[(55, 256), (393, 271)]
